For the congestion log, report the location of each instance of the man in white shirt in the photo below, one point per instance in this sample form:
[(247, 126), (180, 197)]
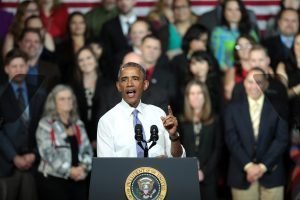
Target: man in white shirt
[(116, 134)]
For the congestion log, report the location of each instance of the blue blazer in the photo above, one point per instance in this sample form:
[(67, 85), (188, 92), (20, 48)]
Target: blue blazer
[(268, 149), (16, 137)]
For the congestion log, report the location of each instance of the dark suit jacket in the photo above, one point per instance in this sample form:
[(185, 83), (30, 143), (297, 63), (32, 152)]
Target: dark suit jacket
[(114, 41), (15, 136), (90, 125), (208, 152), (268, 149), (50, 73), (276, 50)]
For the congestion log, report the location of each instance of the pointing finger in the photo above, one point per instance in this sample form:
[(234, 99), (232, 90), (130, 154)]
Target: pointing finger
[(170, 110)]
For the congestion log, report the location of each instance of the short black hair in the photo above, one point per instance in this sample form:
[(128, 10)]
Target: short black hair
[(261, 71), (133, 64), (14, 53), (152, 36), (30, 30), (193, 33)]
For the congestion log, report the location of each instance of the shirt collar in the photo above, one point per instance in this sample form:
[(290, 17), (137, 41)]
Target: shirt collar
[(259, 101), (16, 86), (131, 18), (288, 40), (128, 109)]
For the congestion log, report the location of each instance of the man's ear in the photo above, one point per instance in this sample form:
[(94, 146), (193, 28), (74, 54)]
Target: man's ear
[(146, 84), (6, 69), (118, 86)]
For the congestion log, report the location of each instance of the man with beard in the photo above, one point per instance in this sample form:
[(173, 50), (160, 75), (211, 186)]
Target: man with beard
[(31, 43)]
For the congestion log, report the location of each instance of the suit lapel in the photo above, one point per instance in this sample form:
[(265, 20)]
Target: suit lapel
[(119, 26), (248, 129), (263, 118)]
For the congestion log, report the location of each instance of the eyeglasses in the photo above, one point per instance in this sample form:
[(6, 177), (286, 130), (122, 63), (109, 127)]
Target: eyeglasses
[(245, 46)]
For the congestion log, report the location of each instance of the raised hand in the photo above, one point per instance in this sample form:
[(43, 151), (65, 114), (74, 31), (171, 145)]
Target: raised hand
[(170, 122)]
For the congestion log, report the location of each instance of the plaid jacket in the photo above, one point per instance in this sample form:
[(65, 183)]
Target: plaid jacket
[(56, 157)]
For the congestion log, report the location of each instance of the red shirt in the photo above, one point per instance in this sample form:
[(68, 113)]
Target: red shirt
[(240, 77), (149, 72), (56, 23)]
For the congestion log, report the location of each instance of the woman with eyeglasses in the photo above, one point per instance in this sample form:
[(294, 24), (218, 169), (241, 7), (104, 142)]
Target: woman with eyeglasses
[(241, 64)]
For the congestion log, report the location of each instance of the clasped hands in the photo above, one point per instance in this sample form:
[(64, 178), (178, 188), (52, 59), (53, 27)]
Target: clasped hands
[(254, 172), (77, 173), (24, 162)]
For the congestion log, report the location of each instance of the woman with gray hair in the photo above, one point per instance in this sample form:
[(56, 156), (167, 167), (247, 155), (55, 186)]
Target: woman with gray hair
[(66, 153)]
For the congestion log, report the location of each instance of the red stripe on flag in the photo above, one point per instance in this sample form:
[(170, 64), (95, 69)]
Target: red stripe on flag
[(150, 4)]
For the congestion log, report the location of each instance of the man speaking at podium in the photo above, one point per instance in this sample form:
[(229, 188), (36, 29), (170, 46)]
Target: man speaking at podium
[(118, 130)]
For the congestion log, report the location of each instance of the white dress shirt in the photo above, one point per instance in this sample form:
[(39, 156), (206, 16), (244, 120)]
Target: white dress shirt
[(125, 20), (115, 135), (255, 108)]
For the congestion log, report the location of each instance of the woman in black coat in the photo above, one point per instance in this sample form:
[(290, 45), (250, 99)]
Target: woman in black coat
[(201, 136), (88, 86)]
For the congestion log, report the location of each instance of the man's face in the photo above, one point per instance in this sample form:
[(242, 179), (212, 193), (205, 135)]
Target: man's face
[(31, 44), (151, 50), (131, 84), (288, 24), (138, 31), (255, 84), (16, 69), (258, 58), (125, 6)]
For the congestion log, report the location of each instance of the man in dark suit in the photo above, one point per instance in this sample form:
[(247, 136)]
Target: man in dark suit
[(280, 46), (20, 109), (115, 31), (31, 43), (257, 138), (138, 30)]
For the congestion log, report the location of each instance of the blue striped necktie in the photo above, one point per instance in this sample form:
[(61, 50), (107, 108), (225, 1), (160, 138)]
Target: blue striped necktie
[(139, 150)]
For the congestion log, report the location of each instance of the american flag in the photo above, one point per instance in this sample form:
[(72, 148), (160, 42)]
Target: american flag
[(264, 9)]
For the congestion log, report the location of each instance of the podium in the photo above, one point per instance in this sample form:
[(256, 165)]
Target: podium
[(144, 178)]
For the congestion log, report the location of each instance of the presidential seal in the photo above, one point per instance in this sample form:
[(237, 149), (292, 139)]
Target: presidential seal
[(145, 183)]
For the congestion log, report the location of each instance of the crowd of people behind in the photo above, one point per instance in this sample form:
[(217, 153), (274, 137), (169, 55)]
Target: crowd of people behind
[(58, 77)]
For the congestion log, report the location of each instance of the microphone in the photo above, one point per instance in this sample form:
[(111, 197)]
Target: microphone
[(154, 135), (138, 129)]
